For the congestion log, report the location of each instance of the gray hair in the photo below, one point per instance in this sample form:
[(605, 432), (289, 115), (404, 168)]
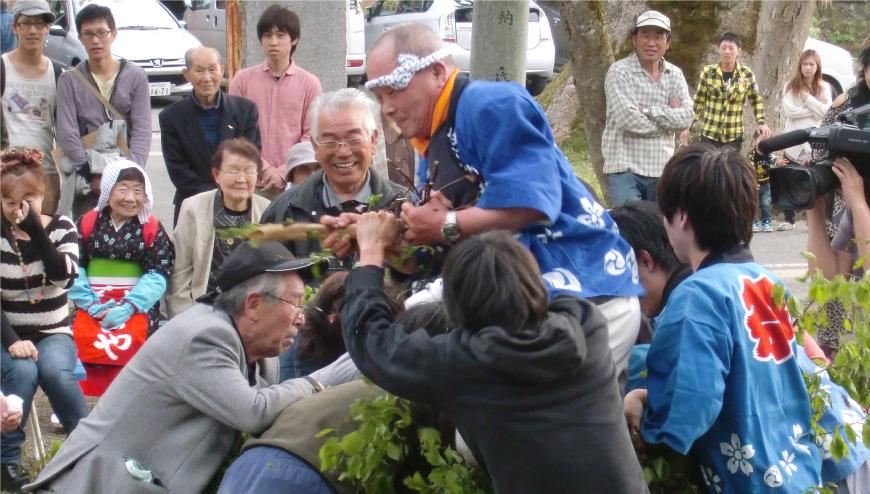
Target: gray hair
[(270, 284), (188, 55), (344, 100)]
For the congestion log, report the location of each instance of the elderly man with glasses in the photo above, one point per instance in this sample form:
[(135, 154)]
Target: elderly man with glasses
[(172, 415), (344, 133)]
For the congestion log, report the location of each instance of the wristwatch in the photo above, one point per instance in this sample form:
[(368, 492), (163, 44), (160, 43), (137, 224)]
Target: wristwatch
[(450, 231)]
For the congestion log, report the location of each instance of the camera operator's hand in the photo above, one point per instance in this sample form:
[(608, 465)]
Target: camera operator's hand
[(851, 184)]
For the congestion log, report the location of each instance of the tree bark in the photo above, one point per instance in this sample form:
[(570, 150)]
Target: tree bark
[(782, 28), (591, 56), (499, 34)]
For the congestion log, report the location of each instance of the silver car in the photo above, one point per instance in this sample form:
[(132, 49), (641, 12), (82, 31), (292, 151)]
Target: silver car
[(148, 35)]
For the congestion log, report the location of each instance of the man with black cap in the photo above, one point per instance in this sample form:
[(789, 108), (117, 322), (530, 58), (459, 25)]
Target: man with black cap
[(172, 415), (647, 103)]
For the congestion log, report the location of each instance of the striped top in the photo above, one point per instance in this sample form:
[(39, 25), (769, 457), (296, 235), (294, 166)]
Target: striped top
[(50, 314)]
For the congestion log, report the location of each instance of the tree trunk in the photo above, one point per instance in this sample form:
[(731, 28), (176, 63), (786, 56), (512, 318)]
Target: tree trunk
[(782, 28), (591, 55), (499, 33)]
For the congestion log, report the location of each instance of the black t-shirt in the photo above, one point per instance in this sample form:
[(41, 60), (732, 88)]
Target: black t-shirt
[(727, 76)]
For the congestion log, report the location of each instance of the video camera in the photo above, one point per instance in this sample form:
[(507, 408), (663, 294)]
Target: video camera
[(797, 186)]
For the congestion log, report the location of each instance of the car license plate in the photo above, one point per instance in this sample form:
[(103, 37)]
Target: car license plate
[(159, 89)]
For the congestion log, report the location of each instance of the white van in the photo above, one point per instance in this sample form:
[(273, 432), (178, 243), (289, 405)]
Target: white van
[(207, 20)]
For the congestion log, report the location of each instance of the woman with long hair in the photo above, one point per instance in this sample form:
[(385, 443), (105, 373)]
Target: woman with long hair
[(805, 99), (38, 262)]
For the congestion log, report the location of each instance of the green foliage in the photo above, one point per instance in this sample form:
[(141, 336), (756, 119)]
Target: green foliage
[(374, 200), (449, 474), (368, 457), (34, 466), (667, 472), (851, 366)]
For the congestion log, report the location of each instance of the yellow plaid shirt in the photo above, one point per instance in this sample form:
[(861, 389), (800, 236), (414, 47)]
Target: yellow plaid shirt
[(719, 105)]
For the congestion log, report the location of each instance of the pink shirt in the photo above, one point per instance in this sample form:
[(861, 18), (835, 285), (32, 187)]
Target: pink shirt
[(283, 107)]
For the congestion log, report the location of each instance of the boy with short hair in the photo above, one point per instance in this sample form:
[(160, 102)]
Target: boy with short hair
[(283, 92), (30, 90), (724, 385)]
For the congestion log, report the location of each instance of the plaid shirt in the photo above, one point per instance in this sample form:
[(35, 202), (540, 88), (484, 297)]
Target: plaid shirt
[(642, 142), (720, 105)]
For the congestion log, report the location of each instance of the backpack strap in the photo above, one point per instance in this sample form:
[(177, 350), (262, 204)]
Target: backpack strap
[(58, 70), (149, 230), (89, 219)]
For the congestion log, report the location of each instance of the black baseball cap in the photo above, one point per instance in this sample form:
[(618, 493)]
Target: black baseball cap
[(249, 260)]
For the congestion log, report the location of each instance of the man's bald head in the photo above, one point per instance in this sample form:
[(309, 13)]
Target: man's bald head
[(412, 38), (201, 52)]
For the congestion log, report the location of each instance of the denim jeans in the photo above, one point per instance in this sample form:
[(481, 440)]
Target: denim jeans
[(764, 202), (629, 186), (53, 372), (270, 469)]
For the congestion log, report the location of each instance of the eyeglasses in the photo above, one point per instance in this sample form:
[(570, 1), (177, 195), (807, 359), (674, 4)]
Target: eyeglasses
[(300, 308), (236, 173), (100, 34), (27, 25), (332, 146)]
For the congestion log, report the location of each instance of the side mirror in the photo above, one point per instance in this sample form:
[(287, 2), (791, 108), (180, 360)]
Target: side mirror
[(56, 30)]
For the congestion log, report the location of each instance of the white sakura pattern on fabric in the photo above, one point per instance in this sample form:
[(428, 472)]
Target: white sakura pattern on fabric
[(614, 263), (562, 279), (594, 216), (824, 441), (773, 477), (797, 432), (787, 462), (711, 479), (738, 455), (631, 260)]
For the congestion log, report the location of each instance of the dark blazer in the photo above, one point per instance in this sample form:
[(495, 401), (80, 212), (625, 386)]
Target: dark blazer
[(187, 156)]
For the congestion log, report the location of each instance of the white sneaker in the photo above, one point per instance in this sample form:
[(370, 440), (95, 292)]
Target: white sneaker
[(55, 423), (785, 226)]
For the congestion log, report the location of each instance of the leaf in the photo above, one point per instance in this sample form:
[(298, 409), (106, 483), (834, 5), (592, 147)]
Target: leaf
[(778, 293), (374, 200), (352, 443), (865, 436), (325, 432)]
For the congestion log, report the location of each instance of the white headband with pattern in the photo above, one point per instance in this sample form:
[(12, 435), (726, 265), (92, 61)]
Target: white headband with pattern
[(409, 64)]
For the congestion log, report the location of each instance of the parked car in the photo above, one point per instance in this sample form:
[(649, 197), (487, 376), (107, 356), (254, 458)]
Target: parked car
[(452, 20), (560, 36), (149, 35), (206, 19), (837, 67)]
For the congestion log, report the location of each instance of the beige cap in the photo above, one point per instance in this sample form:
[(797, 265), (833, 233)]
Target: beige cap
[(655, 19)]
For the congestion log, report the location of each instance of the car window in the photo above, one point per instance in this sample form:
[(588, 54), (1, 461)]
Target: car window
[(138, 14), (392, 7), (198, 4), (58, 7)]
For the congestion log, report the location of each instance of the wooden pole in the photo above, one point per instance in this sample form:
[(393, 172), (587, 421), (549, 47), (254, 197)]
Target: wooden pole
[(234, 39)]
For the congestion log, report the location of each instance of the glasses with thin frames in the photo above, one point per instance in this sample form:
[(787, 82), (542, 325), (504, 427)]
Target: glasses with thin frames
[(236, 173), (334, 145), (27, 25), (99, 34), (300, 308)]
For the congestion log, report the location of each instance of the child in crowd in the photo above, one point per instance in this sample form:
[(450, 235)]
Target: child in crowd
[(529, 383), (762, 164), (724, 385), (125, 262)]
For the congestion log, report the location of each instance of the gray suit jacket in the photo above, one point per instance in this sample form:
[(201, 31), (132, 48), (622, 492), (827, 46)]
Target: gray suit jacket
[(176, 408)]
